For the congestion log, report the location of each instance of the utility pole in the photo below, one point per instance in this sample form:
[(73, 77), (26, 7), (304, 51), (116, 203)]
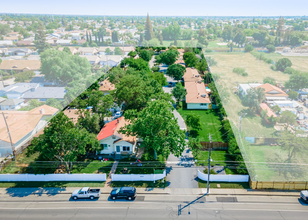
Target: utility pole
[(2, 78), (209, 167), (8, 131)]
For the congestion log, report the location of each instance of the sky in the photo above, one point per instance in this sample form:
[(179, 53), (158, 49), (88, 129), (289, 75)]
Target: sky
[(159, 7)]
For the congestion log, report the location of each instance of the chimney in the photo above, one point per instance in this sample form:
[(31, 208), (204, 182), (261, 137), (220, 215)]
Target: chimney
[(42, 111)]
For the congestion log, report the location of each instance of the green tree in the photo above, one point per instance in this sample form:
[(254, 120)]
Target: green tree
[(67, 50), (283, 63), (117, 51), (176, 71), (195, 146), (89, 121), (169, 57), (193, 121), (287, 117), (202, 66), (210, 61), (114, 37), (248, 48), (270, 48), (159, 77), (295, 40), (276, 109), (62, 67), (297, 81), (157, 127), (293, 94), (269, 80), (149, 34), (107, 51), (190, 59), (40, 39), (179, 92), (133, 91), (63, 142), (145, 54)]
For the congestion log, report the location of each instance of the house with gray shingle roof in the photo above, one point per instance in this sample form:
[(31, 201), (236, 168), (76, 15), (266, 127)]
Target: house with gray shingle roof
[(16, 91), (11, 104), (44, 93)]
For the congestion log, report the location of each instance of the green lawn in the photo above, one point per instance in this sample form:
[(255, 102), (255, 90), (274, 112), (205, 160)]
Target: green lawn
[(141, 184), (203, 184), (51, 184), (219, 158), (210, 124), (94, 166)]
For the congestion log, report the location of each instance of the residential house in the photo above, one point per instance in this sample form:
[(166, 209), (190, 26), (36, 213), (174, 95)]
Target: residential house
[(75, 36), (82, 41), (42, 81), (111, 60), (21, 65), (2, 99), (44, 93), (243, 88), (192, 75), (63, 42), (18, 51), (273, 93), (101, 50), (126, 50), (24, 43), (14, 38), (11, 104), (23, 126), (197, 97), (17, 91), (87, 51), (115, 143), (106, 86), (93, 59), (268, 110), (6, 43)]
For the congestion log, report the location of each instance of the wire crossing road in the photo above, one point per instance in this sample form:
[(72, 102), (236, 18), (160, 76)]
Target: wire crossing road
[(148, 206)]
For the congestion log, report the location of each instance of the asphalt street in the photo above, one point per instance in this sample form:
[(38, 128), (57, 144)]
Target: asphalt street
[(147, 206)]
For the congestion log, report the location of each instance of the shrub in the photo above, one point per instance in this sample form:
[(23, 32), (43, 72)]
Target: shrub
[(240, 71), (211, 171), (248, 48), (155, 68), (283, 63), (208, 50), (290, 70), (270, 48)]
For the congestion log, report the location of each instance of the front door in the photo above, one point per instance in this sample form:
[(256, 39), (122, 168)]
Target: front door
[(118, 149)]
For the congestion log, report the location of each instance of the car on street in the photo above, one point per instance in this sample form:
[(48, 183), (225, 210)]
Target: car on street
[(86, 193), (304, 195), (118, 114), (128, 193)]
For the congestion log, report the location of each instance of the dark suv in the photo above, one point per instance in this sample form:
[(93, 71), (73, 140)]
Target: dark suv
[(128, 193)]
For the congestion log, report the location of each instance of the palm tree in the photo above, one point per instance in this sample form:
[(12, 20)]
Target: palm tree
[(260, 94)]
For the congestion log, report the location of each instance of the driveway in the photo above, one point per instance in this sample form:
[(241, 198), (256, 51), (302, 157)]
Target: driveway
[(152, 61), (181, 171)]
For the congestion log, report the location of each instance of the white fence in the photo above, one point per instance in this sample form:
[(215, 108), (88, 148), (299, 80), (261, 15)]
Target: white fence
[(223, 178), (137, 177), (51, 177)]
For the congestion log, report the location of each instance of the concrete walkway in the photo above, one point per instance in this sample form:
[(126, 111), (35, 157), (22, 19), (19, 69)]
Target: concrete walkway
[(112, 171), (152, 61)]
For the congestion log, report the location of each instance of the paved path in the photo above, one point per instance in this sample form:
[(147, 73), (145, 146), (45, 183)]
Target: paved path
[(112, 171), (181, 171), (152, 61)]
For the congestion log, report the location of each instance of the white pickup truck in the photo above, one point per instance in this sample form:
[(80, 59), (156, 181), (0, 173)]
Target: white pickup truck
[(86, 193)]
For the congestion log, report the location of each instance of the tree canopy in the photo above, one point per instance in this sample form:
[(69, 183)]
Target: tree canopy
[(176, 71)]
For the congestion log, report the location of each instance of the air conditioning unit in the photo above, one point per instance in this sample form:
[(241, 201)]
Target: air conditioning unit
[(203, 95)]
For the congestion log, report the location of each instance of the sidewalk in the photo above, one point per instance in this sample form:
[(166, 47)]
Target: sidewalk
[(158, 191)]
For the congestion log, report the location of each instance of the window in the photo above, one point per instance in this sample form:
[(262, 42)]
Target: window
[(203, 104), (126, 148), (104, 146)]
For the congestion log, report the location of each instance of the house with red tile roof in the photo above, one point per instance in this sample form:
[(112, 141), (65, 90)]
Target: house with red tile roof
[(113, 142), (273, 93)]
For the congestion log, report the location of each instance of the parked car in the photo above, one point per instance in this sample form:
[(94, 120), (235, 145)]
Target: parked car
[(304, 195), (86, 193), (128, 193), (118, 114)]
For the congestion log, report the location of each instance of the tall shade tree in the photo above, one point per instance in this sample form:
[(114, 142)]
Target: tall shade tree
[(202, 66), (176, 71), (169, 57), (88, 121), (297, 81), (149, 33), (157, 127), (133, 91), (62, 67), (40, 39), (287, 117), (190, 59), (283, 63), (179, 92), (63, 142)]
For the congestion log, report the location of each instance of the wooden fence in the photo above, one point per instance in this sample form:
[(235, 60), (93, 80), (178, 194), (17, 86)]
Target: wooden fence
[(214, 145), (282, 185)]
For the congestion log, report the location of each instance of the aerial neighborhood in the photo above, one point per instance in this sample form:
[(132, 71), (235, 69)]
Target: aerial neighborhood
[(127, 97)]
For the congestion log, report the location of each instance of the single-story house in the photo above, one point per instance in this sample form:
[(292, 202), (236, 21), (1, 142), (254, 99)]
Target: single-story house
[(93, 59), (192, 75), (11, 104), (273, 93), (268, 110), (16, 91), (6, 42), (197, 97), (73, 50), (115, 143), (82, 41), (87, 51), (13, 38), (110, 60), (32, 122), (24, 43), (101, 50), (2, 99), (44, 93), (20, 65), (243, 88), (18, 51), (106, 86), (63, 42), (42, 81)]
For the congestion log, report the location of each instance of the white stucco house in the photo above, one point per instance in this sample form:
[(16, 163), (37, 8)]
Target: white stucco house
[(115, 143)]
